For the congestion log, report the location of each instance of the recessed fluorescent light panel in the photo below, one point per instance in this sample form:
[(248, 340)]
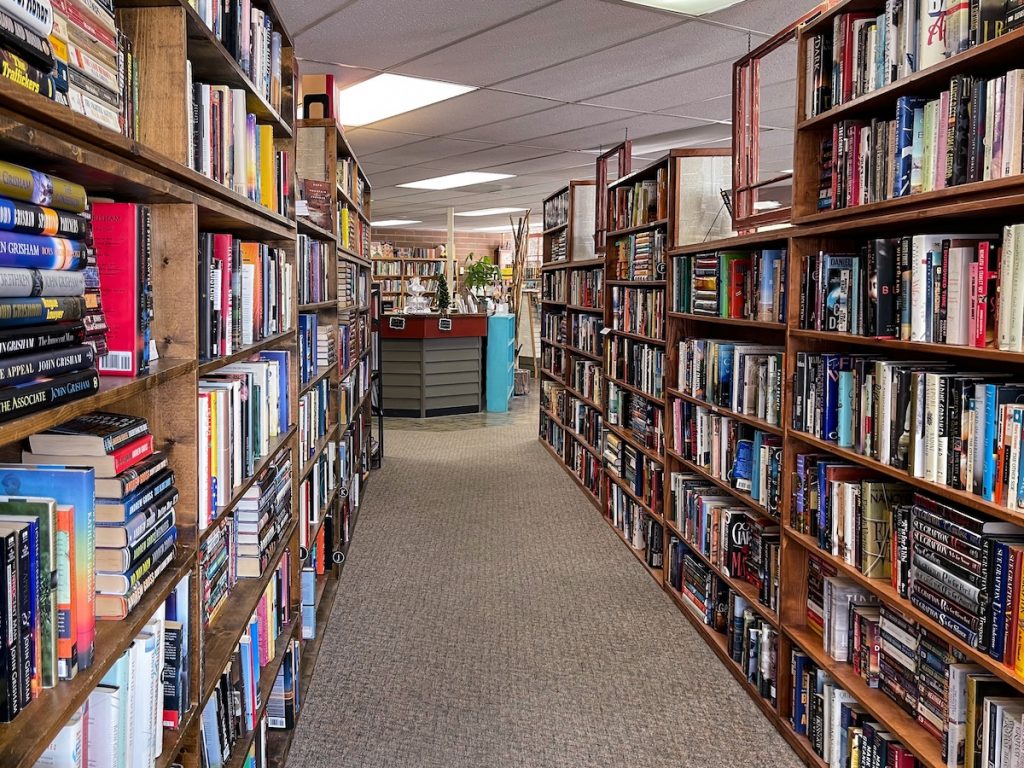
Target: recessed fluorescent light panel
[(504, 228), (457, 180), (385, 96), (490, 212), (690, 7), (394, 222)]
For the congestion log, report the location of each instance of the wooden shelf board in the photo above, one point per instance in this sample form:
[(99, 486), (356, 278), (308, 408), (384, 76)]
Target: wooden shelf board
[(318, 306), (586, 263), (211, 366), (621, 483), (638, 228), (739, 495), (636, 390), (878, 705), (656, 573), (882, 589), (307, 227), (652, 284), (582, 353), (576, 393), (780, 327), (753, 421), (322, 514), (350, 255), (320, 375), (221, 637), (914, 347), (113, 389), (633, 441), (556, 228), (591, 497), (943, 491), (638, 337), (581, 308), (639, 173), (572, 432), (20, 745), (551, 375), (279, 443), (552, 301), (549, 342), (751, 240), (318, 449)]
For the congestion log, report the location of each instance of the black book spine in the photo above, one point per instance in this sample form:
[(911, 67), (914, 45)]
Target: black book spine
[(17, 341), (31, 219), (21, 401), (16, 370), (10, 685), (34, 48), (173, 676), (26, 636)]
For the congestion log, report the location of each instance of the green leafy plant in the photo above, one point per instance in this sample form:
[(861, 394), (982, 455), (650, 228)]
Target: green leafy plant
[(480, 273), (444, 299)]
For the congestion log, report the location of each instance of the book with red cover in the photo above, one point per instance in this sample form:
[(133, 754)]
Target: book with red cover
[(110, 465), (121, 235), (738, 270)]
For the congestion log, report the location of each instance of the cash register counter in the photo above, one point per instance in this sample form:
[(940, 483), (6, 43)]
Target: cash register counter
[(429, 371)]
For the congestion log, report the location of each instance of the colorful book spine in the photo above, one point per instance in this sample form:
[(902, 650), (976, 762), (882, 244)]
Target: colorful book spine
[(19, 183), (39, 251), (15, 313)]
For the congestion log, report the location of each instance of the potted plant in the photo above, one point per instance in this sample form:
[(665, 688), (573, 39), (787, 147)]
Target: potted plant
[(444, 299)]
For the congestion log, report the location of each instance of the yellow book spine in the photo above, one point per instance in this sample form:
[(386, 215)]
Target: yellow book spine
[(19, 183), (268, 172)]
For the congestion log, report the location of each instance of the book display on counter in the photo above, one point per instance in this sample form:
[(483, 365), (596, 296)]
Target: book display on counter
[(148, 508), (811, 433)]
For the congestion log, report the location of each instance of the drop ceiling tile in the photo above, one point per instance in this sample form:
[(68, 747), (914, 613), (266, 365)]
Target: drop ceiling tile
[(662, 54), (367, 141), (485, 159), (426, 151), (659, 95), (610, 134), (780, 117), (552, 163), (538, 40), (382, 33), (563, 118), (764, 16), (776, 138), (718, 108), (467, 111), (298, 16)]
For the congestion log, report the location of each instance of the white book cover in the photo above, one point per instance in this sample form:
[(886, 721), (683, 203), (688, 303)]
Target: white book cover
[(1016, 312), (931, 33), (957, 293), (205, 511), (66, 749), (248, 303), (1007, 269), (239, 134), (104, 726)]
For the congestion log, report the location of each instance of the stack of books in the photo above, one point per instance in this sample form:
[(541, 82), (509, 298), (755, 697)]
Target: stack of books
[(261, 517), (44, 252), (135, 529), (71, 51), (326, 352)]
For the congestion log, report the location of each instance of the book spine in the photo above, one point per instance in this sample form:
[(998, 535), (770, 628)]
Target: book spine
[(36, 15), (42, 252), (30, 186), (40, 338), (33, 47), (16, 402), (16, 370), (10, 685), (17, 70)]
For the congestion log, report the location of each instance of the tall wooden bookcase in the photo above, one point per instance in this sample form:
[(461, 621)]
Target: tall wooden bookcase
[(153, 170), (562, 348)]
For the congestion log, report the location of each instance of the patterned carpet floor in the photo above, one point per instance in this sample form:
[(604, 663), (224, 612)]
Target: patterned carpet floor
[(487, 616)]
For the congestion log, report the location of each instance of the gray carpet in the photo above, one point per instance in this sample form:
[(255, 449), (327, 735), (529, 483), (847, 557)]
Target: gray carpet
[(487, 616)]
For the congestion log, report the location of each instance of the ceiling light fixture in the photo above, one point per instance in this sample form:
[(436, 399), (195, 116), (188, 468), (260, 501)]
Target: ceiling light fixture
[(489, 212), (394, 222), (456, 180), (386, 95), (688, 7)]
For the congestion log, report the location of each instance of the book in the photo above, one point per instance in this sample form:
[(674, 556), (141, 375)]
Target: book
[(30, 368), (24, 399), (21, 283), (38, 338), (107, 465), (26, 185), (94, 434), (123, 239)]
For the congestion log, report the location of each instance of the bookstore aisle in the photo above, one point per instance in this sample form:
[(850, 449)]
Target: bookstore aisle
[(489, 617)]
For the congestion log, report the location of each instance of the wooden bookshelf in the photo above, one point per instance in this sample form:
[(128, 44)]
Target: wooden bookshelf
[(153, 170)]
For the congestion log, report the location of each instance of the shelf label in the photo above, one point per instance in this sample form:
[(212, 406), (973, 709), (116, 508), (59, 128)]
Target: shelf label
[(444, 324), (396, 323), (339, 558)]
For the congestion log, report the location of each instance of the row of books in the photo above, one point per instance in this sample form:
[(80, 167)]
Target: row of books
[(71, 51), (741, 544), (554, 360), (581, 462), (353, 390), (554, 286), (745, 378), (559, 246), (387, 269), (232, 710), (640, 311), (353, 231), (350, 181), (552, 327), (642, 475), (262, 517), (424, 269), (309, 339), (245, 293), (228, 145), (639, 530), (959, 430), (556, 210), (249, 36), (314, 259), (638, 365), (315, 491), (145, 691), (642, 419), (585, 288), (961, 136), (285, 703), (585, 376), (584, 331), (640, 256), (740, 285), (736, 453), (639, 204), (865, 51), (314, 418), (243, 407), (575, 414), (217, 571)]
